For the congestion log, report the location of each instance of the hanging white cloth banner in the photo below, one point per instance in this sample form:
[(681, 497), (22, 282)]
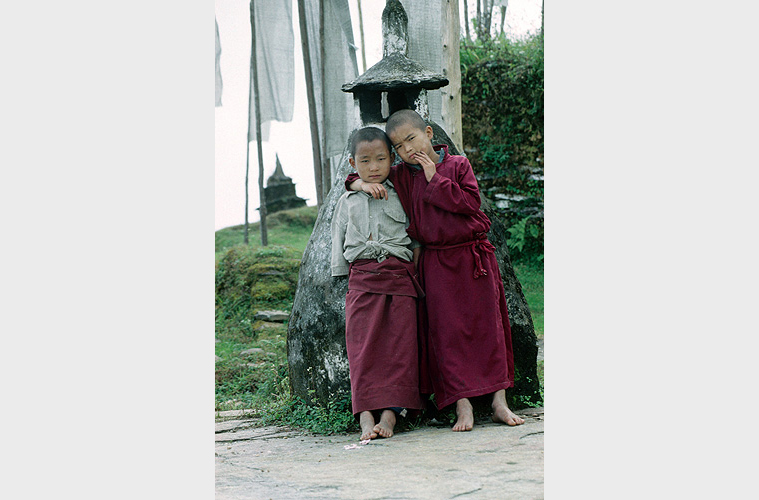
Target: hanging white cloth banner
[(275, 60), (219, 83), (335, 109)]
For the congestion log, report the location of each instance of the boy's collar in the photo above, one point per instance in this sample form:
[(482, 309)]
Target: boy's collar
[(444, 148)]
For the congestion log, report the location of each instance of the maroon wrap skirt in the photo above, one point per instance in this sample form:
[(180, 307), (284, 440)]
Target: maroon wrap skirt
[(381, 335)]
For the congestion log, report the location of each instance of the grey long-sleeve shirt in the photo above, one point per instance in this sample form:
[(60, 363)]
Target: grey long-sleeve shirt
[(365, 228)]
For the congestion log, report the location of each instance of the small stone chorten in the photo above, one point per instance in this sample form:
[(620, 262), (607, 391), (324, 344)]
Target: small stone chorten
[(396, 82), (280, 192)]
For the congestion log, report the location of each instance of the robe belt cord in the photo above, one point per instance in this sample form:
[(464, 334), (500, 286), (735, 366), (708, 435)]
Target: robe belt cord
[(478, 245)]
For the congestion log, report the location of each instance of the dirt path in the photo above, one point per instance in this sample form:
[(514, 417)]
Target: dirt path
[(493, 461)]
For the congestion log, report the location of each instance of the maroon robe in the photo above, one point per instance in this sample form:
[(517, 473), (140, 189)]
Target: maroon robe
[(465, 347), (381, 335)]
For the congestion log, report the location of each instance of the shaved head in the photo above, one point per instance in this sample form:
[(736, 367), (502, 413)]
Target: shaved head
[(403, 117)]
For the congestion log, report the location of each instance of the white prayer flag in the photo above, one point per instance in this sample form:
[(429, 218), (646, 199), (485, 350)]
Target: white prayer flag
[(275, 63), (334, 108), (219, 83)]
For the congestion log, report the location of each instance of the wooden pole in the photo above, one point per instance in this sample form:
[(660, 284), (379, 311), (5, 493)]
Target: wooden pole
[(315, 140), (326, 170), (254, 76), (451, 93), (361, 31), (247, 139)]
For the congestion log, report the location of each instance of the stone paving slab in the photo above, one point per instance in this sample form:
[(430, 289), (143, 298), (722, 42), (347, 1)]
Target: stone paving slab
[(492, 461)]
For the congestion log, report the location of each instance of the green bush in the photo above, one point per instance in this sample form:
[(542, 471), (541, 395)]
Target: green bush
[(502, 120), (502, 104)]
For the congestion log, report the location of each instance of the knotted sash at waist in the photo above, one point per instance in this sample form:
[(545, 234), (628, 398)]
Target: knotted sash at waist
[(478, 245), (392, 276), (375, 251)]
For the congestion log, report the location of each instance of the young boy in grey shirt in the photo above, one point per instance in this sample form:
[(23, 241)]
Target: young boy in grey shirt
[(370, 244)]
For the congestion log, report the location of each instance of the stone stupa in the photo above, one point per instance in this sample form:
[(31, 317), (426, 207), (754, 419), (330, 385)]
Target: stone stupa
[(280, 192)]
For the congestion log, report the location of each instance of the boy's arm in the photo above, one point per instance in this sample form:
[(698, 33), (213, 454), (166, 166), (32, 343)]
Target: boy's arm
[(339, 226), (376, 190), (458, 196), (354, 183), (417, 251)]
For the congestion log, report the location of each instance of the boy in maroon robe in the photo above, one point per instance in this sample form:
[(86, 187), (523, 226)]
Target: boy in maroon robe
[(370, 242), (466, 347)]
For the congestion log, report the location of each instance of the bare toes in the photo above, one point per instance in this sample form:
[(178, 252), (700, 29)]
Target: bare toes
[(462, 426), (368, 435)]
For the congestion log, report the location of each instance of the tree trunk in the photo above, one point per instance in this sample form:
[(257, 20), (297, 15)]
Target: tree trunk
[(466, 22), (542, 15), (503, 15), (487, 17), (484, 18)]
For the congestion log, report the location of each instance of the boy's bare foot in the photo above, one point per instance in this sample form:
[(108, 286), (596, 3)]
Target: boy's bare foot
[(385, 426), (501, 412), (366, 419), (465, 415)]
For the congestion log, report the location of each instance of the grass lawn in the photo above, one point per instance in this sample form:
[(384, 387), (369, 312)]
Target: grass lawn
[(530, 275), (289, 228)]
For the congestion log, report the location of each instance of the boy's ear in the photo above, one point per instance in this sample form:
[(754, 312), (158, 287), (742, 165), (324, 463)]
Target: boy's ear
[(429, 132), (392, 157), (352, 162)]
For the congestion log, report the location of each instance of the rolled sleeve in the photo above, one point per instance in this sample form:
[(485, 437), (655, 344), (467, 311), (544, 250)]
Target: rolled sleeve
[(339, 225)]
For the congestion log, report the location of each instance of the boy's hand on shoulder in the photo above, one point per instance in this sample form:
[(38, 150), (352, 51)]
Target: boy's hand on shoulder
[(427, 164), (377, 191)]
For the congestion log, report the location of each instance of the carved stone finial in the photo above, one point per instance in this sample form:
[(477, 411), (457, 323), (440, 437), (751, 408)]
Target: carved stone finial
[(394, 29)]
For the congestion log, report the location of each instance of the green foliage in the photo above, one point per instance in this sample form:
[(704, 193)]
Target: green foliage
[(502, 102), (526, 238), (334, 418)]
